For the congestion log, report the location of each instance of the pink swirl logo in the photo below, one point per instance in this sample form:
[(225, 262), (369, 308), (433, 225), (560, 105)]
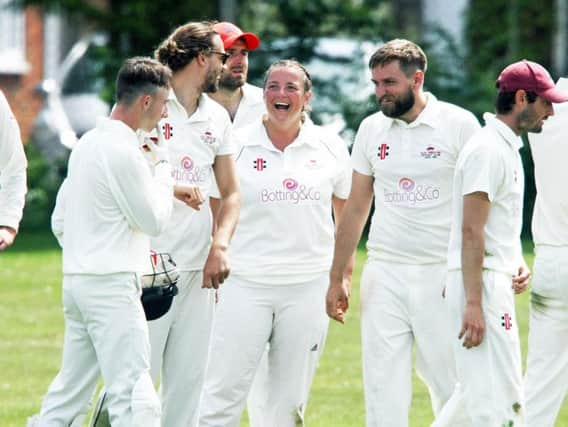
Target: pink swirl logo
[(406, 184), (290, 184), (187, 163)]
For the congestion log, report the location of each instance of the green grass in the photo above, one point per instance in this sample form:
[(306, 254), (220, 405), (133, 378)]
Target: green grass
[(31, 333)]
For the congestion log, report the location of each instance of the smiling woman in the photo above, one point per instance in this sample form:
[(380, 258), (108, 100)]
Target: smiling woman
[(292, 174)]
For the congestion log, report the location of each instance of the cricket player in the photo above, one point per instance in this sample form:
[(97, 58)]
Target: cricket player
[(546, 376), (12, 175), (107, 207), (485, 261), (199, 137), (405, 157), (242, 100), (293, 173)]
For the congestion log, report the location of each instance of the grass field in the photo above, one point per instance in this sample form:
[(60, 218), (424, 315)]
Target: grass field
[(31, 333)]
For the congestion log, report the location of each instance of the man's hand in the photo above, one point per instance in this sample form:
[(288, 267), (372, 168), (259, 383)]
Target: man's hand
[(191, 196), (473, 327), (337, 299), (521, 279), (7, 236), (158, 148), (216, 268)]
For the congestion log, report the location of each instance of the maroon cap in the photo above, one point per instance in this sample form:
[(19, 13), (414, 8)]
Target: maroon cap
[(532, 77), (230, 33)]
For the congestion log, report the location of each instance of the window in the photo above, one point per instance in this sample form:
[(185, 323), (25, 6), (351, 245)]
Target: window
[(12, 40)]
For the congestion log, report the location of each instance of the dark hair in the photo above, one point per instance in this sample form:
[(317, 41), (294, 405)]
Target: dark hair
[(505, 100), (409, 55), (290, 63), (139, 76), (185, 43)]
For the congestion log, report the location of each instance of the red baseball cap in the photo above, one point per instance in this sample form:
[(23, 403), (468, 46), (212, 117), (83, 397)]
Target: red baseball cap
[(230, 33), (532, 77)]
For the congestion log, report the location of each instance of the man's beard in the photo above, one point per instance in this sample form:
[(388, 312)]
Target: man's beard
[(400, 106), (211, 84), (526, 117), (229, 83)]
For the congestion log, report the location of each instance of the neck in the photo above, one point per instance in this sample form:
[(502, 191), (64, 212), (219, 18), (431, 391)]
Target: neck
[(228, 98), (186, 91), (282, 135), (510, 120), (127, 115), (419, 104)]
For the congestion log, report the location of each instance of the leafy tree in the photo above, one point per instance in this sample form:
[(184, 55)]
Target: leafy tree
[(134, 27)]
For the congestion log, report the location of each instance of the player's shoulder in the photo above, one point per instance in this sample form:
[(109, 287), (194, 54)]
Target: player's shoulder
[(454, 113), (325, 138)]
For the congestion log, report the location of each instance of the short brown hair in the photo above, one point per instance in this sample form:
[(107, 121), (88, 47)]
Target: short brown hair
[(409, 55), (140, 76), (185, 43)]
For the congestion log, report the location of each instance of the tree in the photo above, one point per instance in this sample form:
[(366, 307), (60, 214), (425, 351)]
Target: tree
[(133, 27)]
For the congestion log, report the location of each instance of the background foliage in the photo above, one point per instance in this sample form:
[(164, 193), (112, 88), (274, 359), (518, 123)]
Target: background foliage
[(496, 33)]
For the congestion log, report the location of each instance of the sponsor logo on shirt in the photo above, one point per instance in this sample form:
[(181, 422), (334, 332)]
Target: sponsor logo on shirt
[(168, 130), (187, 172), (187, 163), (208, 137), (431, 153), (259, 164), (313, 164), (292, 192), (408, 192), (383, 151)]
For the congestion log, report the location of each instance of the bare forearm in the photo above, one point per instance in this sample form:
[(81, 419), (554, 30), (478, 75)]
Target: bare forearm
[(472, 265), (227, 220), (348, 233)]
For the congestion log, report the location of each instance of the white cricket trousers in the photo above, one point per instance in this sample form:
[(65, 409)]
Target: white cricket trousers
[(489, 374), (179, 347), (546, 377), (402, 304), (180, 343), (293, 319), (256, 400), (105, 333)]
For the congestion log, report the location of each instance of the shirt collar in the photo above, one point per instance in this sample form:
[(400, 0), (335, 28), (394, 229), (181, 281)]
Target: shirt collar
[(504, 130), (429, 116), (201, 114), (308, 135)]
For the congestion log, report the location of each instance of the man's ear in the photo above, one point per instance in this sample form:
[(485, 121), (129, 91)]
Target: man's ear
[(145, 102), (521, 97), (418, 78)]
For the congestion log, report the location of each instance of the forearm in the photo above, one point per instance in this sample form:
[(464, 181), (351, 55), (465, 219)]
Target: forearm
[(349, 231), (12, 197), (228, 217), (473, 245)]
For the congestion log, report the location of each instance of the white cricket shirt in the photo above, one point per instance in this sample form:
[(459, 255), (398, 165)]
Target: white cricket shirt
[(550, 151), (286, 232), (194, 143), (110, 203), (413, 166), (12, 168), (251, 106), (491, 163)]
